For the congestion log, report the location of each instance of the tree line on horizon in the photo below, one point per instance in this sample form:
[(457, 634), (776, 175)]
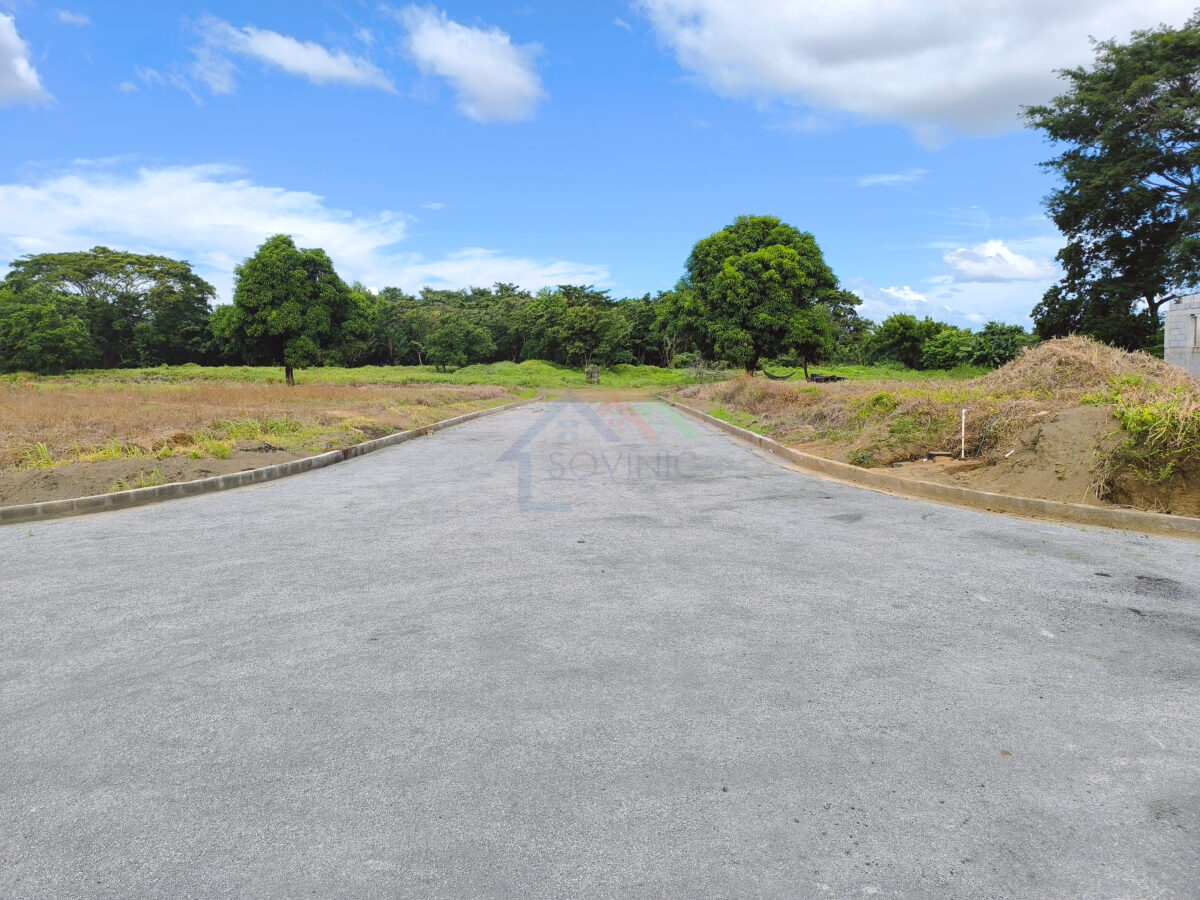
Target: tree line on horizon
[(775, 302)]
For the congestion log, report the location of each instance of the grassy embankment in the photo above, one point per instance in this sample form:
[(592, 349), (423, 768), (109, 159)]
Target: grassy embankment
[(209, 412), (873, 421)]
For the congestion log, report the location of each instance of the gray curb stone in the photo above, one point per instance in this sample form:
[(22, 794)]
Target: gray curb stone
[(53, 509), (873, 479)]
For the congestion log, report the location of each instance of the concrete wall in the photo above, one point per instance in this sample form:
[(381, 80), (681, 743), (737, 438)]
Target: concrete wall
[(1182, 341)]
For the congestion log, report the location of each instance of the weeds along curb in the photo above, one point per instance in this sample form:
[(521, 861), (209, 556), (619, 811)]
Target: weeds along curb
[(874, 479), (54, 509)]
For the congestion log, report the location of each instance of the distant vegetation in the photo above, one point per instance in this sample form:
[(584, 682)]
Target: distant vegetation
[(756, 292)]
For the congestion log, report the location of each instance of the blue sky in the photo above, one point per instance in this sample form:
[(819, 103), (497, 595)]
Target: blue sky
[(594, 142)]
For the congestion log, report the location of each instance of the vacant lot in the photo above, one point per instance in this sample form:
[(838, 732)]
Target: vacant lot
[(68, 437), (1069, 420), (108, 430)]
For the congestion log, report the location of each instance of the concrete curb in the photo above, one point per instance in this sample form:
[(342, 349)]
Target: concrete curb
[(54, 509), (876, 480)]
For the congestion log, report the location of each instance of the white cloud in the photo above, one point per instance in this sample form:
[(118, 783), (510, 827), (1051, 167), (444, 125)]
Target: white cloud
[(307, 59), (995, 261), (477, 266), (214, 217), (879, 303), (891, 179), (904, 295), (19, 80), (435, 205), (495, 80), (621, 23), (66, 17), (965, 305), (928, 64)]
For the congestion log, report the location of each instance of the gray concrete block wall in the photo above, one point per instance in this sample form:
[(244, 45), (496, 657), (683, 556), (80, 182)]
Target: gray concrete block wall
[(1180, 344)]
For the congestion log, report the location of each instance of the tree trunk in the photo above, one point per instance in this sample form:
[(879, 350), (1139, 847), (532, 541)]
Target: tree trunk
[(289, 375), (806, 370), (1153, 305)]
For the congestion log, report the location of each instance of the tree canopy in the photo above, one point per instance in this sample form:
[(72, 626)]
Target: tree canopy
[(109, 307), (748, 286), (289, 307), (1129, 205)]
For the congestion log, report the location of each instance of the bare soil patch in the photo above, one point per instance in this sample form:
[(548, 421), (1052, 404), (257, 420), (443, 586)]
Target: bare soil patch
[(83, 479), (1056, 459)]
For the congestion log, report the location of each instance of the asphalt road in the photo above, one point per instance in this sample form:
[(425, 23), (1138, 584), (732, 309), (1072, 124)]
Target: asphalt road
[(538, 656)]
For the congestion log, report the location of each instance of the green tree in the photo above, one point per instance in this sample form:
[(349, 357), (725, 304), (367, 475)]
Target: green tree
[(1130, 203), (812, 335), (290, 308), (139, 310), (393, 335), (901, 337), (745, 284), (998, 343), (500, 314), (592, 333), (359, 344), (458, 343), (948, 348), (642, 340), (44, 331)]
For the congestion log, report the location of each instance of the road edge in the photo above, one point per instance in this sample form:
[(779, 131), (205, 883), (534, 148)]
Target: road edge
[(968, 498), (57, 509)]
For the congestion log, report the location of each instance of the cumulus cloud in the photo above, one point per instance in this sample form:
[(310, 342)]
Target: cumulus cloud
[(495, 80), (478, 266), (879, 303), (307, 59), (214, 217), (66, 17), (891, 179), (928, 64), (19, 80), (996, 261), (965, 305)]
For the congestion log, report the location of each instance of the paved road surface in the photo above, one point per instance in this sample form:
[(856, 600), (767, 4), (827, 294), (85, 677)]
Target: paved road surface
[(540, 656)]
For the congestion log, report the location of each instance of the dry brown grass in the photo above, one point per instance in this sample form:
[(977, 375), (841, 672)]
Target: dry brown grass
[(1073, 367), (68, 418), (876, 423)]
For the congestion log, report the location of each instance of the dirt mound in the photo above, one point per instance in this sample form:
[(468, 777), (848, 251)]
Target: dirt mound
[(1074, 366)]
